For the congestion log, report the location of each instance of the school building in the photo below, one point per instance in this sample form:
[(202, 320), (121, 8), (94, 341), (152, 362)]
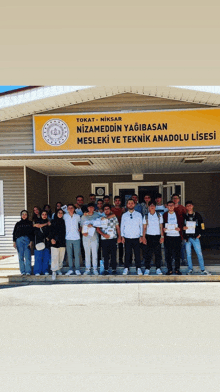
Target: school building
[(60, 141)]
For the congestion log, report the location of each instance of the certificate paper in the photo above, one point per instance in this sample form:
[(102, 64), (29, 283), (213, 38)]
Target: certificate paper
[(91, 231), (85, 229), (191, 227), (170, 227)]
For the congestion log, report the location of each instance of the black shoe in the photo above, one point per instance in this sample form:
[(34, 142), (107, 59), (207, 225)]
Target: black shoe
[(178, 272), (105, 272), (169, 272), (114, 272)]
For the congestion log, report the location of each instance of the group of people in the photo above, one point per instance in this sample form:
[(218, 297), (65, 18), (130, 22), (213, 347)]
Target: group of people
[(93, 231)]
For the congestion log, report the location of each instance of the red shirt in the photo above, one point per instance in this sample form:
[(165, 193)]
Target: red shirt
[(118, 212), (180, 210)]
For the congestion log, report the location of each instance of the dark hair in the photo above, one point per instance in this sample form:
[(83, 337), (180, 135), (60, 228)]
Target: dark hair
[(189, 202), (117, 197), (176, 194), (91, 205), (91, 194), (106, 196), (130, 199), (134, 194), (80, 196), (147, 194), (151, 202), (99, 200), (56, 206), (107, 205), (34, 216), (158, 195), (170, 202), (72, 205), (26, 212), (49, 213)]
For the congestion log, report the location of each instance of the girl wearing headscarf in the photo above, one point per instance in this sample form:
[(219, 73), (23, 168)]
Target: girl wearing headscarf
[(22, 241)]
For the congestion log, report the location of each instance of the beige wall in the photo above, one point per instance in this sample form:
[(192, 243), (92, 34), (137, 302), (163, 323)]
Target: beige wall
[(202, 188), (36, 189)]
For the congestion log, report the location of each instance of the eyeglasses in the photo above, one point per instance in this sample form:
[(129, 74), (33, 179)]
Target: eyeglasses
[(131, 217)]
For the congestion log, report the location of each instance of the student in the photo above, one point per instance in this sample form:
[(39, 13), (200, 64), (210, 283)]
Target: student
[(42, 256), (109, 240), (58, 243), (137, 206), (72, 221), (118, 210), (92, 198), (152, 237), (192, 232), (99, 208), (172, 238), (90, 240), (36, 215), (57, 207), (131, 235), (49, 212), (159, 206), (180, 209), (22, 241), (106, 199), (80, 208), (147, 199)]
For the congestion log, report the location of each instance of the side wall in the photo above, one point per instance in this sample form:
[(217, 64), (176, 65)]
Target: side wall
[(202, 188), (14, 202), (36, 189)]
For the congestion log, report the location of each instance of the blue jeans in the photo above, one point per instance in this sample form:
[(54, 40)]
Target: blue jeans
[(24, 254), (197, 247), (42, 259)]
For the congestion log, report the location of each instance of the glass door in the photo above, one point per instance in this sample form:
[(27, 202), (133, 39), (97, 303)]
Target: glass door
[(126, 190)]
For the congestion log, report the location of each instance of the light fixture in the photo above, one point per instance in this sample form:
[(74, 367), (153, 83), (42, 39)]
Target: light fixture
[(81, 163)]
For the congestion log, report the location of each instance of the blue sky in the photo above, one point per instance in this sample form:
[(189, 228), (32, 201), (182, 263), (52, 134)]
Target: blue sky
[(8, 88)]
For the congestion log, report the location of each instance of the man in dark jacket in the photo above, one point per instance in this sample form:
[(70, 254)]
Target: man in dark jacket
[(192, 231)]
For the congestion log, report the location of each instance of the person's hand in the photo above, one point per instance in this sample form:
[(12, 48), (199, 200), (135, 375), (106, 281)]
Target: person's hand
[(164, 229), (90, 225), (119, 240), (107, 236), (49, 223), (161, 240), (123, 240), (199, 236), (53, 242), (38, 225), (141, 239), (144, 241), (14, 245), (85, 234), (177, 228), (185, 228)]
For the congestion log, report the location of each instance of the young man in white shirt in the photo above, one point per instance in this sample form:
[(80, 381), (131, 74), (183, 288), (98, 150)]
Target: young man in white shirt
[(159, 206), (72, 238), (153, 237), (173, 224), (132, 235)]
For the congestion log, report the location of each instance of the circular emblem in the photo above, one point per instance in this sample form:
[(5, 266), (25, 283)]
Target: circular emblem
[(100, 191), (55, 132)]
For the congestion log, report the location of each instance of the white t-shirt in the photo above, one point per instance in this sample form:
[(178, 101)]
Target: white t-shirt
[(72, 226), (153, 224), (172, 220)]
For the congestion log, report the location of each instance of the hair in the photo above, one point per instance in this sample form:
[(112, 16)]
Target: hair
[(72, 205), (130, 199), (49, 213), (134, 194), (99, 200), (107, 205), (117, 197), (147, 194), (176, 194), (106, 196), (56, 206), (34, 216), (91, 205), (189, 202), (26, 212), (158, 195), (91, 194), (170, 202), (151, 202), (80, 196)]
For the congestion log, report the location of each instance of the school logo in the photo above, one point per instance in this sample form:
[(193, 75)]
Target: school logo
[(55, 132)]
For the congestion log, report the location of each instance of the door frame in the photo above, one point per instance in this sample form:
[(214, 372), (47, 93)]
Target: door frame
[(124, 185)]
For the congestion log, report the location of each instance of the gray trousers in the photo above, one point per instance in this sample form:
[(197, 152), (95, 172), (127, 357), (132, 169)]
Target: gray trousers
[(70, 245), (91, 245)]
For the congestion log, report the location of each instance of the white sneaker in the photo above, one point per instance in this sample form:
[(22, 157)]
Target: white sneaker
[(95, 272), (87, 272), (205, 272), (54, 275), (159, 272), (77, 272), (46, 273), (27, 274), (139, 272), (147, 272), (37, 274), (125, 272), (59, 272), (70, 272)]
